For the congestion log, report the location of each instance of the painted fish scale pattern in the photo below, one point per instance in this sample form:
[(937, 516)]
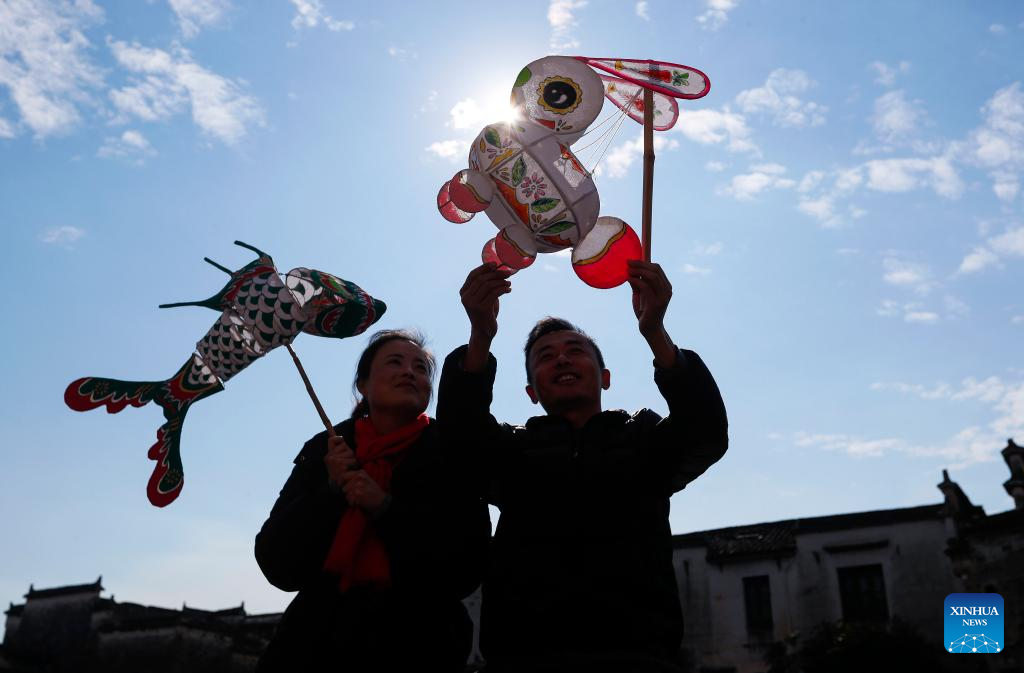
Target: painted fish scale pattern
[(263, 316)]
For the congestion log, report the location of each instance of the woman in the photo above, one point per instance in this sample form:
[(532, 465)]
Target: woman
[(379, 534)]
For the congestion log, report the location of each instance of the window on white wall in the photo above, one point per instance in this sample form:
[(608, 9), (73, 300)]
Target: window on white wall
[(757, 597), (862, 591)]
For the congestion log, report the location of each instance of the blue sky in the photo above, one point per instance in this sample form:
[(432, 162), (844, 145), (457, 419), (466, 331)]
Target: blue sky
[(840, 218)]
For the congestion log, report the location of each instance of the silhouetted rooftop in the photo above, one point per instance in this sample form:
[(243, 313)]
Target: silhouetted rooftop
[(778, 538), (70, 590)]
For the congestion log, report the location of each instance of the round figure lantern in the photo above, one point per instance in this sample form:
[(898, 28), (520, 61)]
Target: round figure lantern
[(524, 176)]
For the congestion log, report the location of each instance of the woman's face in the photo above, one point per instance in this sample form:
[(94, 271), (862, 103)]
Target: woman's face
[(399, 380)]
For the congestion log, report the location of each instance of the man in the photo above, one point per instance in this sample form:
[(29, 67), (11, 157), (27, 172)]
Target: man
[(581, 575)]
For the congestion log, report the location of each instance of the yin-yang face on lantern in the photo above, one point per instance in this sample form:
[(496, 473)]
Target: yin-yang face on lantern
[(527, 180), (560, 94)]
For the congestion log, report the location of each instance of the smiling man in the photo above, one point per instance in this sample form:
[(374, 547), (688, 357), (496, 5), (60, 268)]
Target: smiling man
[(581, 575)]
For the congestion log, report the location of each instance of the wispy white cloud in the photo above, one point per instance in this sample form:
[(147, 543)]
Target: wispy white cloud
[(471, 114), (6, 128), (430, 102), (130, 145), (821, 209), (761, 178), (194, 15), (714, 127), (828, 205), (777, 97), (1003, 399), (904, 175), (848, 444), (617, 162), (998, 144), (708, 250), (449, 149), (714, 166), (810, 180), (887, 74), (906, 274), (402, 55), (936, 392), (467, 117), (311, 13), (1010, 243), (466, 114), (925, 317), (895, 118), (562, 19), (716, 13), (978, 259), (642, 10), (65, 235), (693, 270), (1005, 185), (45, 63), (917, 312), (997, 29), (170, 82)]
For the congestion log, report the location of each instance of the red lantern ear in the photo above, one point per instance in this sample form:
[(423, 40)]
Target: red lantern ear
[(449, 210), (489, 254), (471, 191), (600, 258), (514, 247)]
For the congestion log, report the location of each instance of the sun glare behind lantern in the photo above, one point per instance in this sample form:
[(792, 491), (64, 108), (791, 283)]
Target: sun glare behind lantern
[(494, 107)]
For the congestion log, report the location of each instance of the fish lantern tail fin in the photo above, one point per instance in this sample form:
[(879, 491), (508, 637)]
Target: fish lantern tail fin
[(192, 382), (218, 302)]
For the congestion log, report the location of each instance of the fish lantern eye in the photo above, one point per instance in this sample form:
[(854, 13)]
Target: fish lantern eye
[(560, 95)]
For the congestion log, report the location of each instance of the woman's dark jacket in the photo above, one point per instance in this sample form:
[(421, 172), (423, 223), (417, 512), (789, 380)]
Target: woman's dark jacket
[(436, 532)]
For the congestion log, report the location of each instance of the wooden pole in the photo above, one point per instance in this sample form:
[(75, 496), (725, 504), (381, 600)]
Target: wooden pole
[(312, 393), (648, 170)]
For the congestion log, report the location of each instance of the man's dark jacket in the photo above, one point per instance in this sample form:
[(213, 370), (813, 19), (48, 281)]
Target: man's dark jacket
[(581, 569), (436, 533)]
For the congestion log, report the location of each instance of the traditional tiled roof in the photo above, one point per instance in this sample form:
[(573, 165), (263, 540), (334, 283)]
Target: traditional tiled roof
[(778, 538), (70, 590)]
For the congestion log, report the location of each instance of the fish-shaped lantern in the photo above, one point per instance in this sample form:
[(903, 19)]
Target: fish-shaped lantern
[(524, 175), (260, 310)]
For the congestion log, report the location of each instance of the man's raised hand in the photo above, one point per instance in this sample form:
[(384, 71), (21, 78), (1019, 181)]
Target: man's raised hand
[(480, 293), (652, 293)]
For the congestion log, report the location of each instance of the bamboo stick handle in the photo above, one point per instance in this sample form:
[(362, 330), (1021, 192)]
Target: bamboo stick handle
[(312, 393), (648, 170)]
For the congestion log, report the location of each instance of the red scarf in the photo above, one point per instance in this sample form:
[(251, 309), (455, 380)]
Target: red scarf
[(357, 554)]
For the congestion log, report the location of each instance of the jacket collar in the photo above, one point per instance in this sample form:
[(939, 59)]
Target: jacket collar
[(598, 420)]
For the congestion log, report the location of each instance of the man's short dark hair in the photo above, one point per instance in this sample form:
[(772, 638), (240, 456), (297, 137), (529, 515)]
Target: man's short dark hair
[(551, 324)]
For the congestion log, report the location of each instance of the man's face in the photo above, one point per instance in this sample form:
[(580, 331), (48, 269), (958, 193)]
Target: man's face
[(565, 372)]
